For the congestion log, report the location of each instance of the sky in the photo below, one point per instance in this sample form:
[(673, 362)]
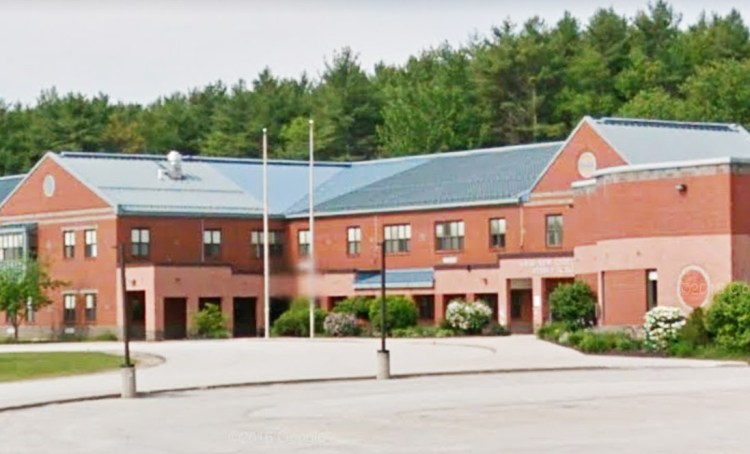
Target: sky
[(138, 50)]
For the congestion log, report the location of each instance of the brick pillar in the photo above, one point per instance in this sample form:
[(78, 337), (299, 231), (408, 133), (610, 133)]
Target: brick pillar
[(470, 297), (439, 308), (503, 304), (537, 297)]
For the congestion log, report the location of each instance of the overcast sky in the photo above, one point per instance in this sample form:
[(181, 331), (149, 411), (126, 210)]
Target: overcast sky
[(137, 50)]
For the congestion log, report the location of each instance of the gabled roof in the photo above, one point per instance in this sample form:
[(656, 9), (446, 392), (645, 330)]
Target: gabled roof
[(655, 141), (233, 187), (8, 184), (497, 175)]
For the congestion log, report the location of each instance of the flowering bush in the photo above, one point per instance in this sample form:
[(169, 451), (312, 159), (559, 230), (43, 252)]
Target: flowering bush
[(341, 324), (468, 317), (662, 326)]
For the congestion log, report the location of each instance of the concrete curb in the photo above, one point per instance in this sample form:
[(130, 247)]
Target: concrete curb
[(146, 394)]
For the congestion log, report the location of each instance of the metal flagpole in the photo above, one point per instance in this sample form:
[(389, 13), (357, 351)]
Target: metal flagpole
[(311, 222), (266, 264)]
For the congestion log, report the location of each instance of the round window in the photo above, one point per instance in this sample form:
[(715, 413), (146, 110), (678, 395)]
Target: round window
[(586, 164), (49, 185)]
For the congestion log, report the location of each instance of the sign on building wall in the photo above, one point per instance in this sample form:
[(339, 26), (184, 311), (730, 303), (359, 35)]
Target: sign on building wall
[(549, 266), (693, 286)]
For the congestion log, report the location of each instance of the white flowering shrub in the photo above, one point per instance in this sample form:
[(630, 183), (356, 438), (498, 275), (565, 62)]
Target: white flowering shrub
[(341, 324), (661, 326), (468, 317)]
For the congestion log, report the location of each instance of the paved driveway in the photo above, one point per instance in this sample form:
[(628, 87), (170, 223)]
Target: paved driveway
[(610, 411), (189, 364)]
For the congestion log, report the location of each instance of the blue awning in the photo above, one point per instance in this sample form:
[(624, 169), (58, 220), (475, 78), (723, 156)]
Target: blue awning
[(406, 278)]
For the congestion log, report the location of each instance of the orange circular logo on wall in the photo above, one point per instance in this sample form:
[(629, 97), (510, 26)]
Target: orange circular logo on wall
[(694, 286)]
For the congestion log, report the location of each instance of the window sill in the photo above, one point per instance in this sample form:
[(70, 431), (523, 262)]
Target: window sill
[(448, 251)]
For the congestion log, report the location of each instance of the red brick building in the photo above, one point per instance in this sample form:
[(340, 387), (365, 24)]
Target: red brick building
[(646, 212)]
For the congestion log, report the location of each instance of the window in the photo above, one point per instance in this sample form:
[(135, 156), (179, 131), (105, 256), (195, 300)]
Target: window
[(140, 240), (212, 243), (89, 241), (11, 246), (497, 233), (652, 278), (69, 244), (554, 230), (69, 309), (90, 307), (449, 236), (303, 242), (353, 240), (275, 243), (397, 237)]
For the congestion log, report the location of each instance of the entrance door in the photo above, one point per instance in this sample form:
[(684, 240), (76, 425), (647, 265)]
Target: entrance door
[(278, 307), (491, 300), (137, 304), (175, 318), (521, 311), (243, 314)]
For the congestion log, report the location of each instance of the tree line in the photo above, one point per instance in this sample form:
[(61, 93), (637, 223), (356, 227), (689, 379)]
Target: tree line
[(519, 84)]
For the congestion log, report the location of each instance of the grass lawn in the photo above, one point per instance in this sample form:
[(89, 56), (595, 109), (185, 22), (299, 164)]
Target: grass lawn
[(22, 366)]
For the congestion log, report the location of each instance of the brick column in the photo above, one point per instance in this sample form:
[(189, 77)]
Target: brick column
[(503, 304), (439, 308)]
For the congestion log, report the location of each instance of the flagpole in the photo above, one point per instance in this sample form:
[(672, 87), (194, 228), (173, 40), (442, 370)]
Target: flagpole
[(311, 221), (266, 264)]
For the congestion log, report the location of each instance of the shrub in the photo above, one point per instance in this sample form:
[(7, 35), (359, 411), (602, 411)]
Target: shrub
[(468, 317), (625, 342), (681, 349), (574, 304), (592, 342), (210, 323), (495, 329), (296, 320), (340, 324), (694, 332), (661, 327), (358, 306), (400, 312), (728, 318), (105, 336), (552, 331), (573, 338)]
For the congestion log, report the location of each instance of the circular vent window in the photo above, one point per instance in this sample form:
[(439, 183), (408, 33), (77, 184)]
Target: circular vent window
[(49, 185), (586, 164)]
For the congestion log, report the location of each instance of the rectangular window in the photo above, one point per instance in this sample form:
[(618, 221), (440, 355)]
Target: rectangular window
[(69, 244), (11, 246), (89, 241), (449, 236), (212, 243), (140, 241), (554, 230), (497, 233), (651, 289), (397, 238), (303, 242), (353, 240), (275, 243), (90, 307), (69, 309)]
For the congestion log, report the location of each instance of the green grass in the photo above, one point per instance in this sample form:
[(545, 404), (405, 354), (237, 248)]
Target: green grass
[(23, 366)]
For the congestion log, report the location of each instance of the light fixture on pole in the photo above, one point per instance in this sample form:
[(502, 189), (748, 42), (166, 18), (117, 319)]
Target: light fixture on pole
[(128, 368), (266, 264), (311, 222), (384, 358)]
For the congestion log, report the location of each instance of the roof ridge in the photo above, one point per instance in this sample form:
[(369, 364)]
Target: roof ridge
[(675, 124)]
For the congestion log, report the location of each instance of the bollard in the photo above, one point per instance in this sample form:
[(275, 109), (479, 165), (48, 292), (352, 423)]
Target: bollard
[(384, 365), (128, 382)]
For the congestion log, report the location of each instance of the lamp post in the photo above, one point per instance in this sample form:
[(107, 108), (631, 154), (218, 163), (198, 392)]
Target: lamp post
[(128, 369), (384, 360)]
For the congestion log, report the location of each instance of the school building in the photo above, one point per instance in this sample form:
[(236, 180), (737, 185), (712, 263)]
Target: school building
[(646, 212)]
